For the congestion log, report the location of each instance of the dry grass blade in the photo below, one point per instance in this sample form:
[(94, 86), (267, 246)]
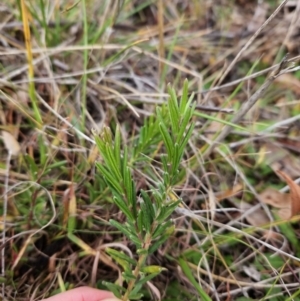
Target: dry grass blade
[(161, 34), (295, 193), (249, 77), (13, 148), (212, 109), (127, 51), (246, 107), (259, 30)]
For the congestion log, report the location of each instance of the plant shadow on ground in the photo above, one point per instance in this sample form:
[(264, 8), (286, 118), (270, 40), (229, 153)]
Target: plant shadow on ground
[(106, 65)]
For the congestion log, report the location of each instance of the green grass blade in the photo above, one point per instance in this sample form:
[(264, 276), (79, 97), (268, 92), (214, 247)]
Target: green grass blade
[(188, 273)]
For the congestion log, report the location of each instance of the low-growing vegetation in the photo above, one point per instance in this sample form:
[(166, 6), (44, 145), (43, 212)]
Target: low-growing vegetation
[(150, 148)]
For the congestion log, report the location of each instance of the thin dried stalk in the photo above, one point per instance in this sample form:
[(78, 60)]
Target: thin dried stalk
[(246, 107)]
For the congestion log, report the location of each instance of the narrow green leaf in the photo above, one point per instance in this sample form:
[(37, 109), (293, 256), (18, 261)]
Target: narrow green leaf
[(117, 147), (161, 228), (167, 139), (166, 178), (143, 133), (80, 243), (121, 228), (136, 241), (188, 273), (149, 204), (123, 207), (176, 159), (133, 296), (128, 276), (147, 221), (135, 290), (162, 191), (173, 109), (166, 211), (184, 123), (158, 198), (121, 255), (139, 284), (159, 113), (128, 186), (186, 138), (112, 162), (173, 97), (152, 269), (133, 199), (128, 182), (157, 244), (162, 115), (124, 162), (116, 289), (143, 280), (164, 161), (106, 135), (184, 97), (126, 266), (32, 167), (101, 145), (169, 231), (109, 178), (189, 105), (174, 118), (140, 220), (208, 117)]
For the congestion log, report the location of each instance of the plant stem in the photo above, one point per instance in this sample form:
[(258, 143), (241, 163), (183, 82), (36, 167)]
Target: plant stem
[(140, 263)]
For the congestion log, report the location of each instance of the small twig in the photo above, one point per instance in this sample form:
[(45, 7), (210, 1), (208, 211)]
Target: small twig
[(247, 106), (64, 120), (254, 75), (281, 123), (214, 109), (250, 41), (5, 201)]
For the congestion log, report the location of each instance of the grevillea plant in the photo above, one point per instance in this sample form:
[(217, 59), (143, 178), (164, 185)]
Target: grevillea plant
[(148, 224)]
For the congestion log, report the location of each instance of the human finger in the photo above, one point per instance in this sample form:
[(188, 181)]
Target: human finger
[(83, 293)]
